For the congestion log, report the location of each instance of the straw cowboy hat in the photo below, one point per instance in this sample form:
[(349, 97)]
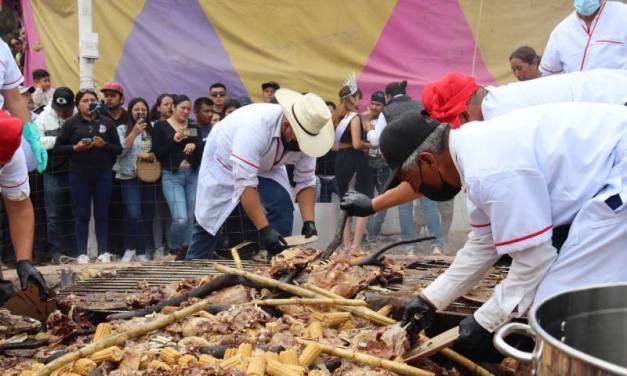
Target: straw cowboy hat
[(310, 119)]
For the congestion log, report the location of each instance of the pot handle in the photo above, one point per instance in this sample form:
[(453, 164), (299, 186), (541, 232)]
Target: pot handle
[(506, 349)]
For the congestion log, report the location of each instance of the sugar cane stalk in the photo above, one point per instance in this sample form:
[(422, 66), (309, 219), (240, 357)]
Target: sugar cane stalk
[(310, 301)]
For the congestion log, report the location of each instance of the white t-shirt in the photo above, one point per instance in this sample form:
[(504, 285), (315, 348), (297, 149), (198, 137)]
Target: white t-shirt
[(599, 85), (572, 47), (14, 178), (10, 75)]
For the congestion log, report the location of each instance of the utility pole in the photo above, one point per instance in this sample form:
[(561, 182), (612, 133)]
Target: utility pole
[(87, 45)]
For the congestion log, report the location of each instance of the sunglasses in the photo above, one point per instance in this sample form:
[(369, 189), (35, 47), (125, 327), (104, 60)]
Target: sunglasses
[(218, 94)]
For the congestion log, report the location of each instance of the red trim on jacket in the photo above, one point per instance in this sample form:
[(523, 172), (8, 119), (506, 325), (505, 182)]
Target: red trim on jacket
[(507, 242), (245, 161)]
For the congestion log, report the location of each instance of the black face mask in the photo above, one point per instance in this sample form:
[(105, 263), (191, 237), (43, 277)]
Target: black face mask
[(291, 145), (445, 193)]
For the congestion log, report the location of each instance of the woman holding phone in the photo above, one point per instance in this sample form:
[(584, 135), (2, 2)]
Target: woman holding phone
[(91, 142), (138, 197), (177, 146)]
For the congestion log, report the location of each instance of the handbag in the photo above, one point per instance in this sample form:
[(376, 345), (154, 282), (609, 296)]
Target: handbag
[(148, 172)]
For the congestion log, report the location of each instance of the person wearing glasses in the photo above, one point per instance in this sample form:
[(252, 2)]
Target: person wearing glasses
[(217, 91)]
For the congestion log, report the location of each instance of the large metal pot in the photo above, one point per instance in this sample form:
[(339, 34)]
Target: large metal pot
[(577, 332)]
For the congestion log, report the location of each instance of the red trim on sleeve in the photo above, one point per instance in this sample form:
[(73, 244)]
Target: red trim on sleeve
[(507, 242), (550, 70), (220, 161), (15, 186), (479, 226), (11, 83), (609, 41), (305, 172), (245, 161)]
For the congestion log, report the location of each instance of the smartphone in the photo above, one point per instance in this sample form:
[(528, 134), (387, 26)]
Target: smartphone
[(86, 140), (142, 116), (190, 132)]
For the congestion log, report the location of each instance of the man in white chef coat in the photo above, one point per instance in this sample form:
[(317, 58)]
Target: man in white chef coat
[(457, 99), (524, 173), (593, 36), (244, 162)]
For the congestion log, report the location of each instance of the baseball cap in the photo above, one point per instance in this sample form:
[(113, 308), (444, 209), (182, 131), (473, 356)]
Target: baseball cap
[(401, 138), (378, 96), (271, 84), (62, 99), (26, 89), (113, 86)]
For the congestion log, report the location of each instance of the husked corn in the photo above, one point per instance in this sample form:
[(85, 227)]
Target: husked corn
[(157, 364), (84, 366), (316, 372), (231, 362), (273, 327), (347, 325), (110, 354), (245, 350), (288, 356), (385, 310), (36, 366), (102, 330), (169, 355), (268, 355), (275, 368), (187, 360), (336, 318), (297, 328), (207, 359), (229, 353), (315, 330), (317, 316), (256, 367), (309, 354)]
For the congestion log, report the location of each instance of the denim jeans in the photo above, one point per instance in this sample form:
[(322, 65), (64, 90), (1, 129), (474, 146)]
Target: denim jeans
[(86, 188), (327, 188), (59, 214), (179, 189), (431, 214), (279, 212), (139, 208)]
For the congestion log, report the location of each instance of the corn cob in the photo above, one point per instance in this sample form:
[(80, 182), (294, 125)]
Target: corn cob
[(187, 360), (27, 373), (385, 310), (157, 364), (317, 316), (229, 353), (36, 366), (297, 328), (315, 330), (316, 372), (309, 354), (347, 325), (169, 355), (288, 356), (169, 309), (245, 350), (271, 356), (84, 366), (273, 327), (207, 359), (110, 354), (102, 330), (274, 368), (336, 318), (231, 362), (256, 367)]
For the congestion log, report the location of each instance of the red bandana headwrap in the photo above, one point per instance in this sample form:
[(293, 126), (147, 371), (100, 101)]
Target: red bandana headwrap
[(10, 136), (445, 99)]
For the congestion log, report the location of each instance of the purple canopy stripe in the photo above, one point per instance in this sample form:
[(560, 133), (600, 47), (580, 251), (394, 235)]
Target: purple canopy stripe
[(174, 49), (422, 41)]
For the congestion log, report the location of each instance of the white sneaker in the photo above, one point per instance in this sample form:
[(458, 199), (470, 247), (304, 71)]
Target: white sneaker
[(158, 253), (436, 251), (82, 259), (142, 258), (104, 258), (129, 255)]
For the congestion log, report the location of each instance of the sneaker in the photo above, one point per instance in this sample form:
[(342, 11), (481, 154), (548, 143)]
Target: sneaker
[(82, 259), (104, 258), (142, 258), (158, 253), (436, 251), (129, 255)]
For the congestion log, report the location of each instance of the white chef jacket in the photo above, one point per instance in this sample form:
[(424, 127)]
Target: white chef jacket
[(525, 173), (243, 146), (379, 126), (10, 75), (572, 47), (14, 178), (599, 85)]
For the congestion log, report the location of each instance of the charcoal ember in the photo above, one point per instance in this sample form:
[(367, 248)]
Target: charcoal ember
[(291, 259), (341, 278), (11, 325), (60, 324)]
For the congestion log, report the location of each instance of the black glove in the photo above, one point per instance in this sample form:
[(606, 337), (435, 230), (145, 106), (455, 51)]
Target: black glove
[(472, 335), (272, 241), (26, 271), (6, 291), (357, 204), (419, 314), (309, 229)]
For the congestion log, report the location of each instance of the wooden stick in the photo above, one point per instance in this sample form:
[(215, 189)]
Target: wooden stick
[(309, 301), (121, 338), (372, 361), (236, 258), (306, 293), (364, 312)]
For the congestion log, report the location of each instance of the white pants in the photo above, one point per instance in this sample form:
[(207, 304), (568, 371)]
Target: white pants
[(596, 248)]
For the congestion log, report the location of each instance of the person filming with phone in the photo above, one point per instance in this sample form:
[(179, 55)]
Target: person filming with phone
[(91, 142), (178, 148)]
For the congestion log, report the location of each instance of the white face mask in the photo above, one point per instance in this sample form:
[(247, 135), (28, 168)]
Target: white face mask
[(586, 7)]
